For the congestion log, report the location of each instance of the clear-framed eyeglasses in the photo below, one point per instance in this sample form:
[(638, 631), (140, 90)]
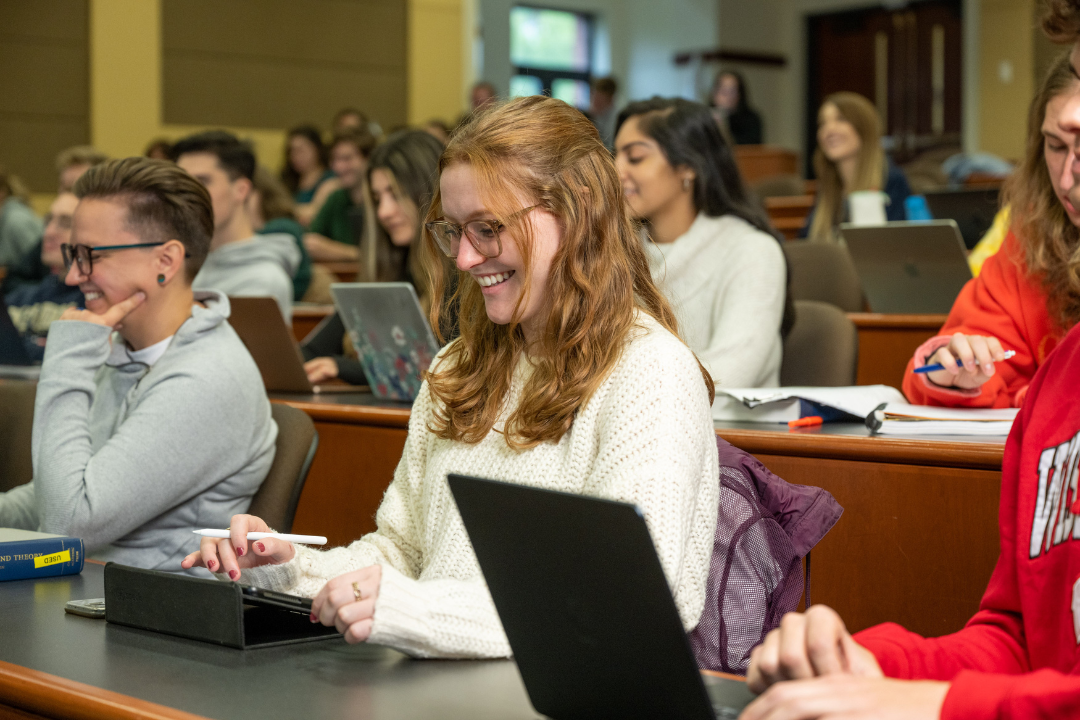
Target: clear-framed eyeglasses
[(483, 235)]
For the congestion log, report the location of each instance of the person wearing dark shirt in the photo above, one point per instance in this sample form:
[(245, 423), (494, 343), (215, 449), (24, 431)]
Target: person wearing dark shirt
[(732, 103), (336, 231), (849, 159), (34, 306)]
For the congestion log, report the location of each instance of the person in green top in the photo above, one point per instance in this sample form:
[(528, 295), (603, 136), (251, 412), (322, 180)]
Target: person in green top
[(334, 234), (270, 209)]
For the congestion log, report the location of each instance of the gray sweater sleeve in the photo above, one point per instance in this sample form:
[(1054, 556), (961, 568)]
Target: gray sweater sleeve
[(18, 509), (162, 452)]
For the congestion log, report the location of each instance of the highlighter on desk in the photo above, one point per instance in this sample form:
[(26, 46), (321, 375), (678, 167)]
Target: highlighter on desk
[(808, 421), (1009, 354)]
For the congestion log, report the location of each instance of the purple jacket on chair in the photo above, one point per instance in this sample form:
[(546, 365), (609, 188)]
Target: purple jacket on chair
[(764, 527)]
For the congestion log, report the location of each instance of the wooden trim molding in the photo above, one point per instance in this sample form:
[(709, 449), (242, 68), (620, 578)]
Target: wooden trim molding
[(882, 321), (36, 694), (884, 449), (353, 414)]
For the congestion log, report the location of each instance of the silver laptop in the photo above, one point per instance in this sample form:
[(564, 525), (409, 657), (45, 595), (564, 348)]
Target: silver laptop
[(392, 338), (909, 267)]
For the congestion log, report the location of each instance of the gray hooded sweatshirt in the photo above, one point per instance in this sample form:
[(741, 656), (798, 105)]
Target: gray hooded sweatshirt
[(131, 459), (261, 266)]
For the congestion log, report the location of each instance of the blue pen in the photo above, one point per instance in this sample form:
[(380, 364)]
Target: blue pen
[(938, 366)]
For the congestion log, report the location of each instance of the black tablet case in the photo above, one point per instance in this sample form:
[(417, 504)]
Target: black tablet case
[(208, 610)]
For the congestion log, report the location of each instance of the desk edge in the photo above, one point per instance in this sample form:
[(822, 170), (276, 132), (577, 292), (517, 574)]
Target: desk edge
[(50, 696)]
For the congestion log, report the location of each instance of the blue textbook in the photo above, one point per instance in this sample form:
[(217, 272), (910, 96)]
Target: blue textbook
[(26, 554)]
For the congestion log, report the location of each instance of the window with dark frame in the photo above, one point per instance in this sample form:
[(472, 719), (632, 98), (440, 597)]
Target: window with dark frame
[(551, 53)]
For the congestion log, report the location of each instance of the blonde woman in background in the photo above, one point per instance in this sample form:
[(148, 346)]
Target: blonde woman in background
[(849, 159)]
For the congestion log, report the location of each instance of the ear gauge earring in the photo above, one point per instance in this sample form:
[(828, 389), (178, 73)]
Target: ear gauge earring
[(161, 279)]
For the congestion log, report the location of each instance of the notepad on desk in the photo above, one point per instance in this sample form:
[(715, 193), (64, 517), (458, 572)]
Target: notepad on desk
[(904, 419), (781, 405)]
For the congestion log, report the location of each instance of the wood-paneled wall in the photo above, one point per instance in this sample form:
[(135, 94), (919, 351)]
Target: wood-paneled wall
[(278, 63), (44, 86)]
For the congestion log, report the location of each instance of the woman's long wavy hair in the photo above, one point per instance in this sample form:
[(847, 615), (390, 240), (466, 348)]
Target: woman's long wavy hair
[(540, 151), (1050, 241), (870, 172), (411, 159)]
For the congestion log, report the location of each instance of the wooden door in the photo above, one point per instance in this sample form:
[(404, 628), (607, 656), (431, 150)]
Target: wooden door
[(908, 62)]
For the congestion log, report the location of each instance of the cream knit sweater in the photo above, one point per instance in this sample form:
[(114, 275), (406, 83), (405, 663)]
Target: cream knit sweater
[(726, 280), (645, 437)]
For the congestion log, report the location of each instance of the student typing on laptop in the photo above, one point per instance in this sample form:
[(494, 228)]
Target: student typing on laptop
[(402, 174), (568, 374), (163, 425), (1028, 294)]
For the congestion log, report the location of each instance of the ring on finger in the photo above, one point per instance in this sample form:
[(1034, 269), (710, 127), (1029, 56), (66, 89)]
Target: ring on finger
[(357, 593)]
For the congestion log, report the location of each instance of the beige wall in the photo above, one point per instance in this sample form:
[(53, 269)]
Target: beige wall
[(280, 63), (44, 97), (120, 73), (1006, 75)]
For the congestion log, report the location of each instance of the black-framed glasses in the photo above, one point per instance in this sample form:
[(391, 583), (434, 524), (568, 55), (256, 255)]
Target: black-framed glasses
[(83, 255), (484, 235)]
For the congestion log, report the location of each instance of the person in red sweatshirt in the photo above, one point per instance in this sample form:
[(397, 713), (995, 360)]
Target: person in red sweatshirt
[(1018, 657), (1028, 294)]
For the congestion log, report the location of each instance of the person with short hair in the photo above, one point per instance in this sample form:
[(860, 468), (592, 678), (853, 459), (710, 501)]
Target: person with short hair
[(482, 95), (20, 228), (241, 263), (849, 159), (74, 161), (602, 109), (335, 232), (151, 418), (305, 171), (711, 251), (568, 375), (33, 307)]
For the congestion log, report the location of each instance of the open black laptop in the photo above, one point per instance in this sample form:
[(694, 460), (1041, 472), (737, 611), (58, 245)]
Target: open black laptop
[(584, 602), (972, 209)]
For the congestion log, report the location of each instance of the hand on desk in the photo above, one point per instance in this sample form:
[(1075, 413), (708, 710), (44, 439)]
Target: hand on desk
[(348, 603), (959, 358), (321, 369), (811, 667), (851, 698), (236, 553)]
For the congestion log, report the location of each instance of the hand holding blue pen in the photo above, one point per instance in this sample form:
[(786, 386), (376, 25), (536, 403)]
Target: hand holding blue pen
[(1009, 354)]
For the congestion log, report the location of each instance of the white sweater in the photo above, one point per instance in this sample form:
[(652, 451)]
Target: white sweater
[(726, 280), (645, 437)]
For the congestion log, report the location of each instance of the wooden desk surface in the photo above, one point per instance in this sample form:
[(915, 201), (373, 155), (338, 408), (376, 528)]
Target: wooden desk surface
[(55, 665), (887, 342), (916, 544)]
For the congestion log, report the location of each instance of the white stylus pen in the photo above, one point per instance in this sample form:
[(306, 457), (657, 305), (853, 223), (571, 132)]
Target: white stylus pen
[(303, 539)]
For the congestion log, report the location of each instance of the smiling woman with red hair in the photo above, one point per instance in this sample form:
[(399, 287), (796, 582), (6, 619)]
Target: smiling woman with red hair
[(568, 375)]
